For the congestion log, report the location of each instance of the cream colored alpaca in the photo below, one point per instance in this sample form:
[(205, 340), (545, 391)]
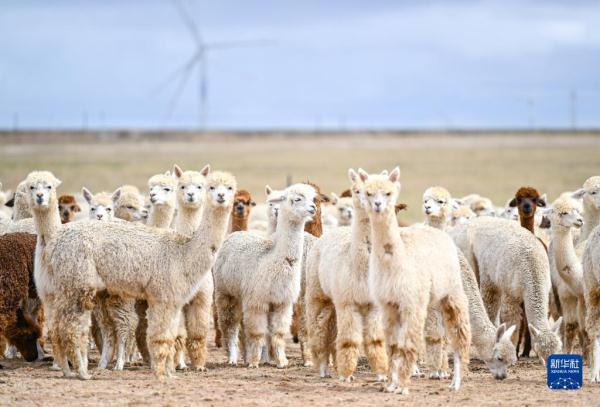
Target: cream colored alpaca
[(162, 267), (21, 217), (480, 205), (461, 215), (258, 279), (343, 209), (196, 316), (338, 298), (566, 271), (492, 345), (5, 212), (406, 279), (101, 205), (591, 286), (163, 199), (590, 193), (130, 205), (512, 265)]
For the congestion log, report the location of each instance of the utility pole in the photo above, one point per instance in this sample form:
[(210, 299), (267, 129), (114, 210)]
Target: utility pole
[(573, 105)]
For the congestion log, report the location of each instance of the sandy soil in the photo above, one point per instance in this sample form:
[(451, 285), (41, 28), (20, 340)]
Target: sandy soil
[(34, 384)]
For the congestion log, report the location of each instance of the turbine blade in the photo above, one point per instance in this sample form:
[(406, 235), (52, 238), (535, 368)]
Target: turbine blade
[(218, 45), (177, 73), (189, 22), (178, 91)]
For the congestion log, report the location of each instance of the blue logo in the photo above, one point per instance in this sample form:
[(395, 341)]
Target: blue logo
[(565, 372)]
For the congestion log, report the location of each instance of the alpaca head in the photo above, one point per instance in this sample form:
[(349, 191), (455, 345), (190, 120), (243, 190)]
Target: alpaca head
[(437, 203), (242, 204), (162, 189), (527, 199), (41, 187), (344, 209), (101, 205), (273, 203), (128, 204), (510, 212), (462, 215), (24, 335), (356, 187), (504, 353), (381, 192), (68, 208), (546, 341), (298, 203), (221, 187), (564, 213), (191, 187), (4, 196), (590, 192)]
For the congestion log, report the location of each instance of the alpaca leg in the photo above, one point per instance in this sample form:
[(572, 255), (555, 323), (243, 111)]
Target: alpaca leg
[(141, 337), (374, 341), (180, 340), (349, 339), (320, 316), (302, 332), (512, 313), (281, 319), (584, 340), (434, 335), (58, 351), (71, 334), (230, 316), (197, 320), (526, 334), (491, 298), (570, 324), (218, 335), (161, 318), (107, 348), (592, 324), (458, 328), (255, 329)]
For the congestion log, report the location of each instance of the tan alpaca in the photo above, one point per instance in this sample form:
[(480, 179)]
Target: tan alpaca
[(566, 270), (591, 286), (21, 221), (590, 193), (160, 266), (339, 307), (406, 279), (492, 345), (257, 279), (163, 198), (130, 205), (512, 265)]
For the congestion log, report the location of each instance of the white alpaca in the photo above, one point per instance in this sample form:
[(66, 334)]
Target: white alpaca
[(591, 286), (5, 212), (511, 264), (406, 280), (163, 198), (162, 267), (101, 205), (337, 288), (590, 193), (343, 209), (258, 279)]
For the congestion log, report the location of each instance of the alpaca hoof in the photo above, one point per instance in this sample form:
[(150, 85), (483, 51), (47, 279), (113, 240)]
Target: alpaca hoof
[(348, 379), (84, 376), (183, 366), (253, 365), (454, 386), (595, 378), (381, 378), (55, 367), (392, 388), (200, 369), (118, 368), (444, 374), (435, 375), (308, 363), (69, 375), (283, 364)]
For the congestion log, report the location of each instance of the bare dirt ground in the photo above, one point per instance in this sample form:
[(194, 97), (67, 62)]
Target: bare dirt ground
[(22, 383)]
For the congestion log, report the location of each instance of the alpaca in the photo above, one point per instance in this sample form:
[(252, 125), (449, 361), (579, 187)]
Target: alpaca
[(510, 212), (566, 271), (129, 205), (493, 345), (68, 208), (242, 205), (101, 205), (163, 198), (160, 266), (591, 286), (480, 205), (590, 193), (337, 289), (273, 202), (462, 215), (512, 265), (5, 211), (17, 252), (258, 279), (21, 208), (343, 208), (406, 280)]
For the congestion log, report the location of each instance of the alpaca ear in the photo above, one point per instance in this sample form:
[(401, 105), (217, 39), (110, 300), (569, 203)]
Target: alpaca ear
[(168, 173), (513, 203), (384, 173), (500, 332), (11, 202), (76, 208), (87, 195), (578, 194), (204, 171), (116, 195), (541, 202), (363, 175), (277, 199), (334, 198), (57, 182), (177, 171), (545, 223), (535, 333), (395, 175), (268, 190), (556, 326), (252, 203), (352, 175), (509, 332)]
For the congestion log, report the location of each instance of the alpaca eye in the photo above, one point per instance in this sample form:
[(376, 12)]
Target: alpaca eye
[(167, 189), (593, 192), (369, 194), (130, 207), (108, 209), (31, 187), (199, 187), (388, 194), (297, 199), (212, 188), (499, 358), (93, 209), (230, 188), (183, 187), (441, 202)]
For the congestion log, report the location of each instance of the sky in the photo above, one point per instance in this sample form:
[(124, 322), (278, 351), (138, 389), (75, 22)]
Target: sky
[(317, 64)]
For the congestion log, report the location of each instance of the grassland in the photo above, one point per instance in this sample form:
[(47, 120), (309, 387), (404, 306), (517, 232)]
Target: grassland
[(494, 165)]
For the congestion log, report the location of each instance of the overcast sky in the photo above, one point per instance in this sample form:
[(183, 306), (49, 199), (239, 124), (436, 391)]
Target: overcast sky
[(330, 64)]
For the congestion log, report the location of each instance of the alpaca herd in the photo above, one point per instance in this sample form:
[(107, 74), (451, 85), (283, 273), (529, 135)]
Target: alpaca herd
[(141, 278)]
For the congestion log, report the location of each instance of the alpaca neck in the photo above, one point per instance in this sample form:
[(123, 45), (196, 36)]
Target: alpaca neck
[(289, 239), (47, 222), (591, 219), (360, 232), (161, 216), (206, 240), (438, 222), (528, 223), (315, 227), (566, 261), (384, 234), (21, 209), (188, 219), (272, 225), (239, 223)]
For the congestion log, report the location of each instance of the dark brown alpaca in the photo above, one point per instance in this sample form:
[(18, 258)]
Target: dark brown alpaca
[(67, 207), (17, 253), (527, 200), (242, 205)]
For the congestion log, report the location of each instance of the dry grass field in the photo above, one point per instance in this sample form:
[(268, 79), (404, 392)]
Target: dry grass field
[(494, 165)]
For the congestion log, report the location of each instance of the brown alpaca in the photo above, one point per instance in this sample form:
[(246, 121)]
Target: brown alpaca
[(527, 200), (315, 227), (346, 194), (67, 206), (17, 253), (242, 205)]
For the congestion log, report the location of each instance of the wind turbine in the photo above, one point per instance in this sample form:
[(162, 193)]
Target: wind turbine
[(199, 62)]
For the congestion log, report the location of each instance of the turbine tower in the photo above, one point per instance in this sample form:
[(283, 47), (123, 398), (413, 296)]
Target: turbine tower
[(199, 62)]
